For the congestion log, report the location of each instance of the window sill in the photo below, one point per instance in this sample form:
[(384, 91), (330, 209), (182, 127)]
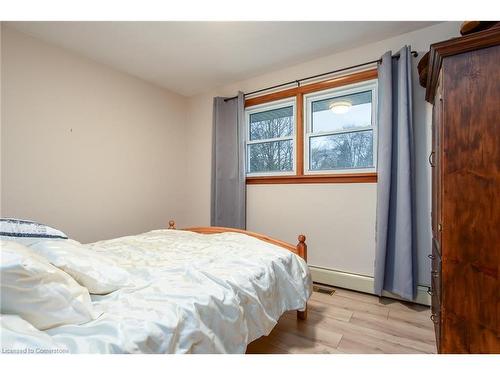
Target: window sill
[(315, 179)]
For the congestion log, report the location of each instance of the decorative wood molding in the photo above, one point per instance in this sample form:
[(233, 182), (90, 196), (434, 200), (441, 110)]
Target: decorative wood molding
[(362, 76), (314, 179), (312, 87), (438, 51), (278, 95)]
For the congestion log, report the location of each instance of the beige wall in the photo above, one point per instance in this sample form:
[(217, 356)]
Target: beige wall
[(92, 151), (339, 219)]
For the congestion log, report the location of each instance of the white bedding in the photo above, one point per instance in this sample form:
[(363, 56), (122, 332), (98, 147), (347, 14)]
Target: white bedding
[(192, 293)]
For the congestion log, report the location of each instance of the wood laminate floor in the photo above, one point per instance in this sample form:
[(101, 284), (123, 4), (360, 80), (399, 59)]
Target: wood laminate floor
[(351, 322)]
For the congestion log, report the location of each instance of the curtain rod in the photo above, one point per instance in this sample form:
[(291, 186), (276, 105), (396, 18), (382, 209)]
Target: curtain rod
[(297, 81)]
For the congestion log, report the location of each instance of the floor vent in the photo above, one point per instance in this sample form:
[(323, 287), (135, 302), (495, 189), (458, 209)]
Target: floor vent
[(323, 289)]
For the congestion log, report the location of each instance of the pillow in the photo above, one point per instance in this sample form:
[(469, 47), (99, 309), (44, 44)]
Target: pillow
[(37, 291), (99, 274), (16, 228), (20, 337)]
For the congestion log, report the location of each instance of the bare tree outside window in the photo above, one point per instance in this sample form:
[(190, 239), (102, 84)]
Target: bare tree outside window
[(272, 154), (342, 151)]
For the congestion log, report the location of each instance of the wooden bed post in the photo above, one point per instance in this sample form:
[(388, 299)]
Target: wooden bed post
[(302, 247), (302, 251)]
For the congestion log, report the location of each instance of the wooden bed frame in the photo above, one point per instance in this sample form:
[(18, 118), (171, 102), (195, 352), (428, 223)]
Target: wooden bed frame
[(300, 249)]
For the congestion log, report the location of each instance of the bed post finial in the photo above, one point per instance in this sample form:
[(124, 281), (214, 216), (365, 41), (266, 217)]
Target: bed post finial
[(171, 224), (302, 247)]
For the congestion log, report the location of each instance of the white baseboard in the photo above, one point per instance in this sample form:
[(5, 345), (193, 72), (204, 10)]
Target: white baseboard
[(360, 283)]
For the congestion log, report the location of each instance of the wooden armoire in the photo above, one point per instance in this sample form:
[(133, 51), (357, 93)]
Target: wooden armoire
[(463, 84)]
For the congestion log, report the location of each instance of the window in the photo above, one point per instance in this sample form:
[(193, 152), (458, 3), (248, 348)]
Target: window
[(271, 138), (321, 132), (340, 129)]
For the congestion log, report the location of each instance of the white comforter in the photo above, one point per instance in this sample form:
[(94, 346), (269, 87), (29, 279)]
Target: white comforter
[(192, 293)]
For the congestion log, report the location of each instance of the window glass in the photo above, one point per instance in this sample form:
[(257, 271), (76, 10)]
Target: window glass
[(275, 123), (341, 151), (271, 156), (340, 129), (270, 138), (342, 112)]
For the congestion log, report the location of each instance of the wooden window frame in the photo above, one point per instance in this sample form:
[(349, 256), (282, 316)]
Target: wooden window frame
[(298, 93)]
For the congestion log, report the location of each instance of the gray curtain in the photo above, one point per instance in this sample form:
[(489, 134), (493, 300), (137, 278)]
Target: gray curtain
[(228, 163), (395, 255)]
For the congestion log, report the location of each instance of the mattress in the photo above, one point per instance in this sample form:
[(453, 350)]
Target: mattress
[(190, 293)]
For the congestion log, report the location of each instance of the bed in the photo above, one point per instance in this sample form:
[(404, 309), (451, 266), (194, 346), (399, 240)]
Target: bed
[(196, 290)]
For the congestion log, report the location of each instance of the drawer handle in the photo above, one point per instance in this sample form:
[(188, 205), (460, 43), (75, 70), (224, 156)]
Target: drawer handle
[(429, 292), (430, 256), (434, 318), (431, 159)]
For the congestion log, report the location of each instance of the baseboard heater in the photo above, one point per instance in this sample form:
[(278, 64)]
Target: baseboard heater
[(361, 283)]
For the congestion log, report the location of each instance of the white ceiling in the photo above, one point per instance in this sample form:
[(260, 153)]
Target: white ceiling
[(193, 57)]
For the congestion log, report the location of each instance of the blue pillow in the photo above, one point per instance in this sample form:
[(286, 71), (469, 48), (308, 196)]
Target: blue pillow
[(30, 229)]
